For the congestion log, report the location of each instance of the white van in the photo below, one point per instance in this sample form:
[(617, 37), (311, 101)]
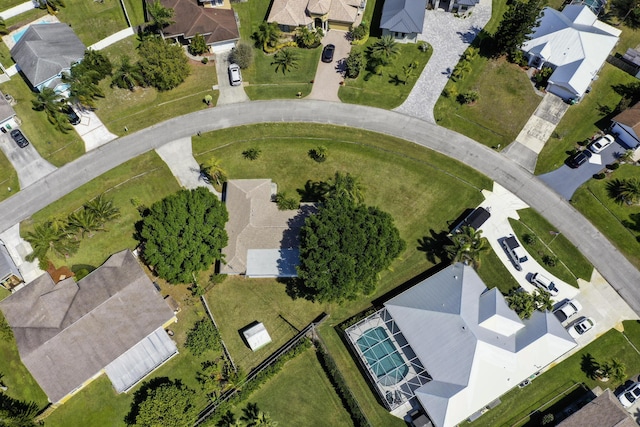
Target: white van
[(544, 283), (514, 251)]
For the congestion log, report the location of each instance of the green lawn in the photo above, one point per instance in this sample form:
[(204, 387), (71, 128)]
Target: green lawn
[(56, 147), (494, 274), (93, 20), (619, 223), (24, 18), (8, 178), (387, 90), (572, 264), (135, 9), (300, 395), (5, 56), (251, 14), (584, 119), (145, 179), (519, 403), (7, 4)]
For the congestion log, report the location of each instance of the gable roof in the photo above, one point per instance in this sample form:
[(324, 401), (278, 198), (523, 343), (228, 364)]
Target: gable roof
[(215, 24), (603, 411), (630, 117), (403, 16), (68, 332), (45, 50), (256, 223), (480, 348), (575, 42), (295, 13)]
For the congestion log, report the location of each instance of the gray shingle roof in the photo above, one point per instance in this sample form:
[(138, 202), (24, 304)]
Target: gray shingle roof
[(67, 333), (6, 110), (45, 50), (403, 16)]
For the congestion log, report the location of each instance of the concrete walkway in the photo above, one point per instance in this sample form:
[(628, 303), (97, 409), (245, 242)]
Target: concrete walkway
[(613, 266), (113, 38), (178, 156), (450, 37), (17, 10), (326, 82), (536, 132)]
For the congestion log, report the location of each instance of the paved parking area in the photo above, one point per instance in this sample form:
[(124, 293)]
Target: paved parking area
[(27, 162), (326, 82), (19, 249), (228, 94)]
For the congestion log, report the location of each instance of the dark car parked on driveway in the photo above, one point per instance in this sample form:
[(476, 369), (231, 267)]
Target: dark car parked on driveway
[(579, 159), (327, 53), (73, 117), (19, 138)]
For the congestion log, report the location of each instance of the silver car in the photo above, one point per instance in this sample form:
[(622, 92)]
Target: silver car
[(235, 78)]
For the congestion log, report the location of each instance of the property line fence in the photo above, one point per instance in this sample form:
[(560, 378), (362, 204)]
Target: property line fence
[(224, 346), (308, 331)]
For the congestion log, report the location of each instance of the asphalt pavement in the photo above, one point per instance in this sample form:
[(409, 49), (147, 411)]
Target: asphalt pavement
[(615, 268)]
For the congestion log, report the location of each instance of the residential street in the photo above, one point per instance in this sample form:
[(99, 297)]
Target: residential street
[(616, 269)]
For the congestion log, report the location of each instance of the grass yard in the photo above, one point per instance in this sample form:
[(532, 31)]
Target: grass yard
[(144, 179), (7, 4), (8, 178), (584, 119), (135, 10), (571, 265), (24, 18), (92, 21), (5, 56), (251, 15), (302, 395), (387, 90), (56, 147), (494, 274), (619, 223)]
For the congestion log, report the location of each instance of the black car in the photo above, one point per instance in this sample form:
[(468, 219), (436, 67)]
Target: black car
[(73, 117), (327, 53), (19, 138), (579, 159)]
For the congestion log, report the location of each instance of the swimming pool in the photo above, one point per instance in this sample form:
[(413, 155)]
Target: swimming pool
[(18, 34), (382, 356)]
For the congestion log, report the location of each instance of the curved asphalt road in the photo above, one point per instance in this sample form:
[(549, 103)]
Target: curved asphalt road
[(615, 268)]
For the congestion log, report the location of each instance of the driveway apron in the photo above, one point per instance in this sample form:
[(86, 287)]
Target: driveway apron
[(329, 75), (228, 94), (27, 162)]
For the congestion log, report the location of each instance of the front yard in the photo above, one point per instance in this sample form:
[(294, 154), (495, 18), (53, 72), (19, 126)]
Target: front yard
[(8, 178)]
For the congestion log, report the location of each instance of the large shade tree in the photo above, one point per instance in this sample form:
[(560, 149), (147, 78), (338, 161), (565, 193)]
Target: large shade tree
[(516, 25), (344, 247), (169, 404), (184, 233), (163, 64)]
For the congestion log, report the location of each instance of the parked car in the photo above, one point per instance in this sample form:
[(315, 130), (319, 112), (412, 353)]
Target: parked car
[(234, 75), (73, 117), (514, 251), (630, 395), (582, 326), (327, 53), (567, 310), (544, 283), (601, 143), (579, 159), (19, 138)]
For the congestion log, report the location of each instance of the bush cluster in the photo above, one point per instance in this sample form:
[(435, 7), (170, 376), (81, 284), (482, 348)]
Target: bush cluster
[(202, 337)]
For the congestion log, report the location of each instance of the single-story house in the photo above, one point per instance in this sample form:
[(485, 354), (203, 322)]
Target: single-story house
[(45, 51), (218, 25), (452, 347), (403, 19), (574, 44), (459, 6), (112, 321), (263, 241), (323, 14), (10, 276), (7, 114), (603, 411), (626, 126)]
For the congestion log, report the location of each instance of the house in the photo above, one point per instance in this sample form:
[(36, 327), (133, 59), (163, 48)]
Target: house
[(324, 14), (10, 277), (403, 19), (452, 347), (626, 126), (7, 114), (44, 52), (603, 411), (263, 241), (574, 44), (218, 25), (112, 321), (458, 6)]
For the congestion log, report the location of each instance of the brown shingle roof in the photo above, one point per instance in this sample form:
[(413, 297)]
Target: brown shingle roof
[(216, 25), (630, 117), (603, 411), (68, 332)]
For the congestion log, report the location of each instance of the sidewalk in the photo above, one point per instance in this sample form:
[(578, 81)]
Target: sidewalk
[(113, 38), (17, 10)]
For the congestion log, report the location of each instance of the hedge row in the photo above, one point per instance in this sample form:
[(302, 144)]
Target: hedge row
[(349, 402), (357, 317)]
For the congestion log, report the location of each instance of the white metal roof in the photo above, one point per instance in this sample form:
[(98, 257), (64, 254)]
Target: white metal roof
[(272, 262), (257, 336)]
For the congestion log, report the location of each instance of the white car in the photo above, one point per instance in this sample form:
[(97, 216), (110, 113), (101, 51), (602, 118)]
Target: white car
[(235, 78), (601, 143), (544, 283), (630, 395), (567, 310), (582, 326)]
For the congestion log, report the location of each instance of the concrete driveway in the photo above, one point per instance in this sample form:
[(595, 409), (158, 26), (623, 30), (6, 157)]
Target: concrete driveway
[(18, 249), (92, 131), (326, 83), (565, 180), (27, 162), (228, 94)]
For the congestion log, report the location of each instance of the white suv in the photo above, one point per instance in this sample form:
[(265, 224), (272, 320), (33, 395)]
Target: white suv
[(568, 309), (630, 395)]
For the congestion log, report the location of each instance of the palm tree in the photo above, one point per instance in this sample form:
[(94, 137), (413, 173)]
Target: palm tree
[(52, 6), (285, 60), (467, 246), (250, 413), (625, 190), (461, 69), (228, 420), (84, 221), (408, 71), (3, 27), (47, 100), (385, 49), (46, 237), (308, 38), (347, 186), (212, 170), (83, 87), (160, 15), (268, 34), (128, 75), (103, 208), (542, 300), (263, 420)]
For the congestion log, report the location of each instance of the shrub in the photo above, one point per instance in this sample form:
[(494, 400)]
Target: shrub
[(356, 62), (205, 60), (242, 55), (251, 154), (360, 32), (468, 97), (600, 175), (423, 46), (202, 337), (613, 166), (198, 45), (550, 260), (451, 91), (319, 154), (286, 203), (529, 239)]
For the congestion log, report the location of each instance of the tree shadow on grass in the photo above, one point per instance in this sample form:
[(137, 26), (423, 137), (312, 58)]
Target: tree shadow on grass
[(434, 246), (296, 288), (589, 365), (313, 191)]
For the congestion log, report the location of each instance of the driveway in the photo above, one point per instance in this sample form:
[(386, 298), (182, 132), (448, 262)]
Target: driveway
[(450, 37), (326, 83), (92, 131), (228, 94), (27, 162), (565, 180), (18, 250)]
